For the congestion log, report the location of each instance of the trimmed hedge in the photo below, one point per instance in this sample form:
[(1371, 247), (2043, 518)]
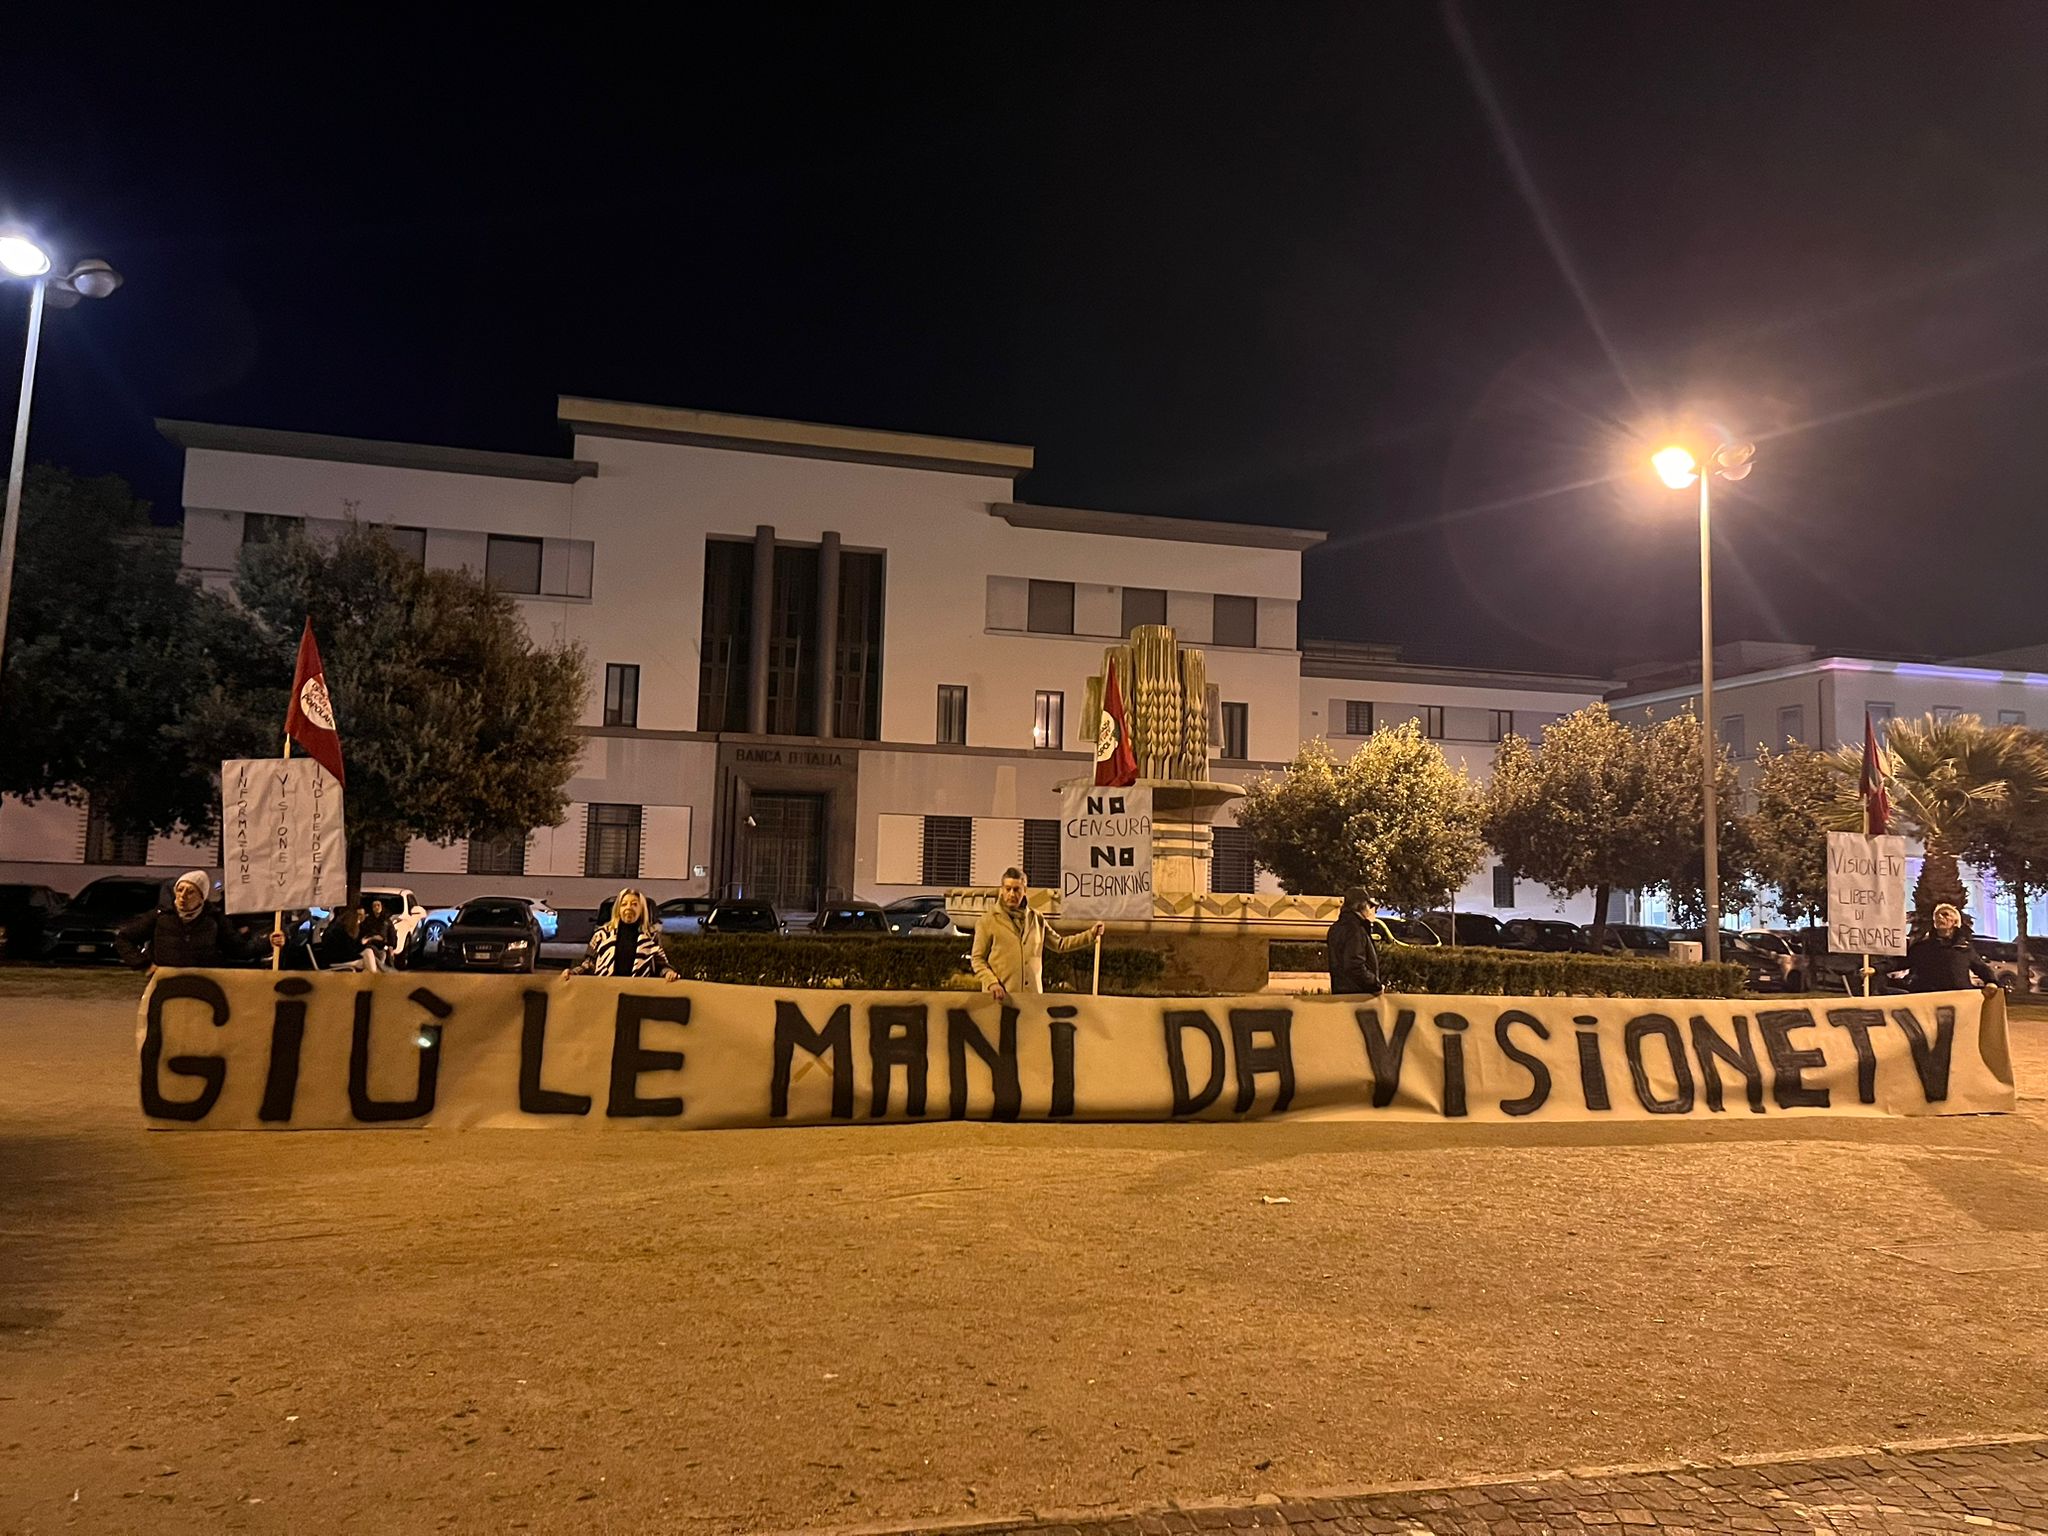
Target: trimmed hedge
[(1464, 970), (871, 963)]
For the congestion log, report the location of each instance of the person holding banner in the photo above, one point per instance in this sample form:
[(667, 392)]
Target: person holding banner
[(629, 945), (1010, 941), (1354, 960), (1943, 961), (186, 932)]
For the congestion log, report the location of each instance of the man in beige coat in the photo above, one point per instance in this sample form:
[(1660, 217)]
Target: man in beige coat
[(1010, 941)]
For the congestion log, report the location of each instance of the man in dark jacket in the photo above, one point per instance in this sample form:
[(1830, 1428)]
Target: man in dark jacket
[(1354, 962), (188, 932), (1943, 960)]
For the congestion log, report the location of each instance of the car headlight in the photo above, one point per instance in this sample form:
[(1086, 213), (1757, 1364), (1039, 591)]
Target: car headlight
[(516, 944)]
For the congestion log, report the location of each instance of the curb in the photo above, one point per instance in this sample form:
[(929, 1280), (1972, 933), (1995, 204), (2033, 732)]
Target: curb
[(1102, 1514)]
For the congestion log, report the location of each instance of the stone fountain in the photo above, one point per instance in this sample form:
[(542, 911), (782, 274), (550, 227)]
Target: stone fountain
[(1211, 941)]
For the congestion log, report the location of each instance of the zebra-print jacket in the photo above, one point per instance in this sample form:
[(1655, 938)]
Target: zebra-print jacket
[(649, 959)]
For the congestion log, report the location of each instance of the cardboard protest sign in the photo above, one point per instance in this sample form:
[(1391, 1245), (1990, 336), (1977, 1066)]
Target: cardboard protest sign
[(249, 1050), (1866, 894), (1106, 853), (281, 835)]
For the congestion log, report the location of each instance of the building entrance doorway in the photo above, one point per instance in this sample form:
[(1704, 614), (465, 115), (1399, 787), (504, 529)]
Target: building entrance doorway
[(785, 849)]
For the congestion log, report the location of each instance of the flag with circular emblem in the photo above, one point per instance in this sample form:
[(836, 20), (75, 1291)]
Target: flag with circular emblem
[(309, 719)]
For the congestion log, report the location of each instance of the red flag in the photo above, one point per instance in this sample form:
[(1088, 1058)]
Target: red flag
[(1877, 805), (1116, 766), (309, 718)]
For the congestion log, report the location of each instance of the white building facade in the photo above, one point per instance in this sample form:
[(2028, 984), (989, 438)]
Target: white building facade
[(823, 661)]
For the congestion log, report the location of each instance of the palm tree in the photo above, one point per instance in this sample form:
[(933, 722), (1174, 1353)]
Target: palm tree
[(1941, 774)]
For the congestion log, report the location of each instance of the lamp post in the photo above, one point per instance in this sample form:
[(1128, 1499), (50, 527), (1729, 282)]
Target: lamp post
[(23, 257), (1677, 468)]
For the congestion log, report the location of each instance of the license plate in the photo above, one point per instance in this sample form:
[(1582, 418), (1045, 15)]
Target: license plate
[(485, 952), (88, 949)]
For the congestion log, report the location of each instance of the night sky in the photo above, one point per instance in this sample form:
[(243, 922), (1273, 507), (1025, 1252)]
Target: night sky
[(1397, 271)]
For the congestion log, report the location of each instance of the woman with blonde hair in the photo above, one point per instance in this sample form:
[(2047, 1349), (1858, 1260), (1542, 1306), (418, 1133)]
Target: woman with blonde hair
[(629, 944)]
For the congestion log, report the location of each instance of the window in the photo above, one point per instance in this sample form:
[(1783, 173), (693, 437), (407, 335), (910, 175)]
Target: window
[(1237, 732), (498, 855), (1230, 861), (1734, 735), (1503, 725), (1143, 605), (948, 849), (267, 528), (389, 858), (1945, 714), (106, 844), (793, 642), (1791, 723), (1042, 852), (857, 669), (2012, 717), (1880, 715), (1431, 718), (1357, 717), (621, 694), (512, 565), (1237, 621), (727, 635), (611, 842), (1051, 608), (410, 542), (952, 715), (1503, 886), (1048, 728)]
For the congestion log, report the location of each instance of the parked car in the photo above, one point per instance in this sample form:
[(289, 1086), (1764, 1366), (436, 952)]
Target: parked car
[(743, 917), (493, 933), (26, 914), (1404, 930), (1544, 935), (1479, 929), (925, 917), (849, 917), (1636, 939), (571, 938), (680, 915), (2002, 957), (84, 930), (427, 938), (1767, 968)]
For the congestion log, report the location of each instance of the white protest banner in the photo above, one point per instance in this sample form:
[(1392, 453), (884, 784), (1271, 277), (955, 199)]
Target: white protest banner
[(1106, 852), (246, 1050), (1866, 894), (281, 835)]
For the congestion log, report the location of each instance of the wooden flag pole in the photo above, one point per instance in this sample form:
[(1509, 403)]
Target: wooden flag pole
[(1096, 986), (1866, 958), (277, 918)]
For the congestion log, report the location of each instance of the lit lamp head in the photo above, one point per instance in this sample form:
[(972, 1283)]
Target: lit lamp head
[(1675, 466), (21, 256)]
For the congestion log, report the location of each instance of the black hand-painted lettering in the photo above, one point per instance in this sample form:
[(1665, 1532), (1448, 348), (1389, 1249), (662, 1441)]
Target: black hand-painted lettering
[(287, 1036), (1177, 1021), (1005, 1085), (793, 1030), (1592, 1068), (211, 1071), (1788, 1062), (1384, 1055), (369, 1111), (1276, 1056), (1539, 1074), (1666, 1029), (1930, 1061), (630, 1058), (533, 1044), (1708, 1045), (1454, 1026), (1062, 1059), (1860, 1022), (897, 1038)]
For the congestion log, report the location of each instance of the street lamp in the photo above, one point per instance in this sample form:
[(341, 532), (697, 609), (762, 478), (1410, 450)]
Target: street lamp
[(24, 257), (1677, 468)]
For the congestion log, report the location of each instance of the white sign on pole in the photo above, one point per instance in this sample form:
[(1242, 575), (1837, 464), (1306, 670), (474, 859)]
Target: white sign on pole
[(281, 835), (1866, 894), (1106, 853)]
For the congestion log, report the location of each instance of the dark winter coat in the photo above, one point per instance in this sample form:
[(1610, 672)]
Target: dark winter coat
[(1354, 962), (164, 938), (1944, 965)]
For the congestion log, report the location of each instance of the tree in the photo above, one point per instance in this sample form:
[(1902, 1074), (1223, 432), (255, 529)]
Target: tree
[(1673, 813), (1942, 773), (2009, 837), (112, 660), (453, 722), (1396, 819), (1799, 797)]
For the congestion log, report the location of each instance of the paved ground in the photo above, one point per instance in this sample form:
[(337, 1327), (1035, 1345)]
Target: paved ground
[(399, 1331), (1899, 1492)]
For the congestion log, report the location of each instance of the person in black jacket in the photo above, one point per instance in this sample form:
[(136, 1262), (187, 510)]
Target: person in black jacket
[(1354, 962), (186, 932), (1943, 961)]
